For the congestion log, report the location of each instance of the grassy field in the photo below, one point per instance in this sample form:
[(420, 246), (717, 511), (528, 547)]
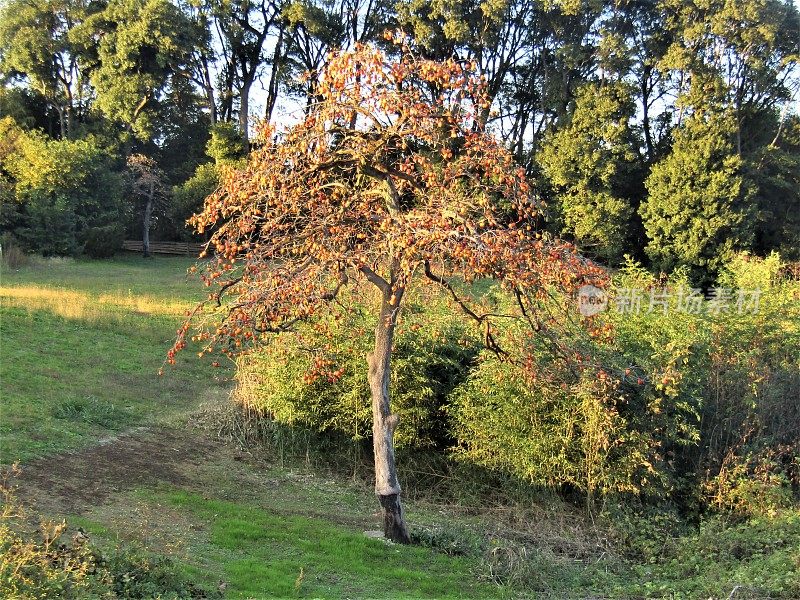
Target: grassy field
[(133, 459), (82, 343), (103, 442)]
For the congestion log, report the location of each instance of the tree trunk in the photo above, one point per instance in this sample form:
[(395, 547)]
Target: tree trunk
[(387, 487), (272, 88), (148, 212), (244, 110)]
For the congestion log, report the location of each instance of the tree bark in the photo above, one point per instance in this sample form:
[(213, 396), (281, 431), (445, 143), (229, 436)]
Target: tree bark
[(244, 111), (148, 212), (384, 423)]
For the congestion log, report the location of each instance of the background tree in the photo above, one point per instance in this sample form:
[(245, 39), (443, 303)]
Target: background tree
[(134, 49), (386, 183), (699, 208), (146, 182), (591, 165), (38, 45), (313, 29), (226, 148), (61, 188), (243, 29)]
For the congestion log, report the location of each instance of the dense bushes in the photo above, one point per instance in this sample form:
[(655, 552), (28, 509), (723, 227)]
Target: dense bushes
[(695, 405), (720, 381), (320, 382), (103, 242), (59, 190), (551, 434)]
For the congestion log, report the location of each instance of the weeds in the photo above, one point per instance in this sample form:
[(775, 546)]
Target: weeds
[(93, 411), (39, 562)]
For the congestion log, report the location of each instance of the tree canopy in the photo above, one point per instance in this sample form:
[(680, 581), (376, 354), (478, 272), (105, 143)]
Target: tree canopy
[(390, 181)]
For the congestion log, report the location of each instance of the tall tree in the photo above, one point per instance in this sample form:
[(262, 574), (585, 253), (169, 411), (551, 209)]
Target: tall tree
[(36, 43), (699, 209), (137, 47), (737, 54), (385, 184), (315, 28), (146, 184), (243, 29), (590, 163)]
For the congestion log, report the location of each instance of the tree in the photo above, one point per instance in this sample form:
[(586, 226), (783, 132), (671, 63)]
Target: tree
[(36, 37), (139, 46), (587, 162), (225, 147), (243, 29), (146, 184), (314, 28), (62, 188), (775, 172), (390, 181), (699, 208)]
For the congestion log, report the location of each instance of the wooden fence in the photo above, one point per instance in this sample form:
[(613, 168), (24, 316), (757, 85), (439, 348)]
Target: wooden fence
[(180, 248)]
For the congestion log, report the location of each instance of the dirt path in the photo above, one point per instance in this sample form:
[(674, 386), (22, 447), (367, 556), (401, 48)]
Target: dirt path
[(74, 482)]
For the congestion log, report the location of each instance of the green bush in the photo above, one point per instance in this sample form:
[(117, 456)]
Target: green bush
[(103, 242), (720, 383), (550, 434), (188, 198), (60, 188), (317, 378)]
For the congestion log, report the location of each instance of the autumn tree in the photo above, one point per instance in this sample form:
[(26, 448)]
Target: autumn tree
[(390, 182)]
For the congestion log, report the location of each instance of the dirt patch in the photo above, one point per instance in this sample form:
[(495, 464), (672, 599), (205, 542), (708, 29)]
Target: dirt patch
[(74, 482)]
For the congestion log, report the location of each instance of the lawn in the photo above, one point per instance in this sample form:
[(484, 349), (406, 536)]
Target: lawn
[(82, 343)]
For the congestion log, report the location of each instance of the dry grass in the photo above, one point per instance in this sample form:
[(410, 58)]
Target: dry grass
[(71, 304)]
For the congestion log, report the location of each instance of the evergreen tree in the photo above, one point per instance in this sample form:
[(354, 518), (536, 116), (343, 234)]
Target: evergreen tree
[(590, 163), (700, 208)]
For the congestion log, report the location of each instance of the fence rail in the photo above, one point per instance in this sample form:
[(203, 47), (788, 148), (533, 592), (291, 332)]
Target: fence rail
[(180, 248)]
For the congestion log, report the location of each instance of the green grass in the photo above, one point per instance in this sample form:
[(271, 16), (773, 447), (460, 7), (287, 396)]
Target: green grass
[(263, 555), (75, 368), (160, 277)]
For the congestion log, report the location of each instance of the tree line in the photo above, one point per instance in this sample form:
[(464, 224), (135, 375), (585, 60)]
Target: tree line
[(662, 129)]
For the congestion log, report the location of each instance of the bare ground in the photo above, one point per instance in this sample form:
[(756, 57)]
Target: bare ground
[(71, 483)]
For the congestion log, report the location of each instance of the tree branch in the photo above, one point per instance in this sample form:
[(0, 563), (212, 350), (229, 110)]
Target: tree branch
[(376, 279)]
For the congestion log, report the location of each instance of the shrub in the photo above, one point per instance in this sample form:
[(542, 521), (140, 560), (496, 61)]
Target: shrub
[(550, 435), (754, 484), (103, 242), (188, 198), (37, 564), (13, 256), (718, 382), (40, 563), (322, 385)]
